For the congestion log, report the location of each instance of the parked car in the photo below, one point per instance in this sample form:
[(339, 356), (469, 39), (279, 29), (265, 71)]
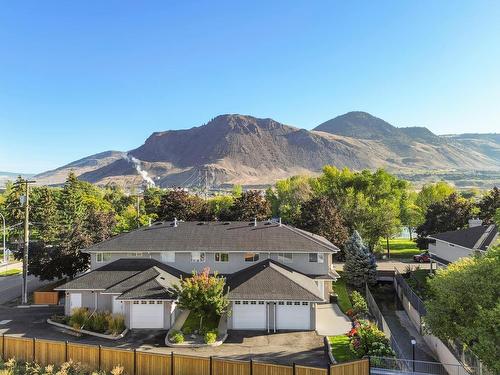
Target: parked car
[(422, 257)]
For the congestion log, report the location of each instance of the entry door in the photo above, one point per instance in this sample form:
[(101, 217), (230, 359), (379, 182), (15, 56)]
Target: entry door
[(118, 306), (75, 301), (293, 315), (249, 315)]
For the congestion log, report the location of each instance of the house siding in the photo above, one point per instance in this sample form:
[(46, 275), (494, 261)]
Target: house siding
[(449, 252)]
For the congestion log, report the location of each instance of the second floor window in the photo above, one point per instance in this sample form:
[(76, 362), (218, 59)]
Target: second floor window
[(285, 257), (316, 258), (251, 257), (197, 256), (103, 257), (221, 257)]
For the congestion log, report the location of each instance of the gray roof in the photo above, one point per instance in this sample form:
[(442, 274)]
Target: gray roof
[(131, 278), (270, 280), (216, 236), (479, 237)]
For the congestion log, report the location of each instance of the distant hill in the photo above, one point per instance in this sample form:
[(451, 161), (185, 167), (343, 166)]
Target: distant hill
[(247, 150), (11, 176)]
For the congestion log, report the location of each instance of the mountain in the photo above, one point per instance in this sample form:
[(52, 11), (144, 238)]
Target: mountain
[(246, 150), (11, 176), (81, 166)]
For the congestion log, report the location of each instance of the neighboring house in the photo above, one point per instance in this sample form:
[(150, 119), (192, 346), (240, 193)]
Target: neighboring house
[(275, 274), (448, 247)]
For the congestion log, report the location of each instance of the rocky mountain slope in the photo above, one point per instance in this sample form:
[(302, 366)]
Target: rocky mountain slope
[(252, 151)]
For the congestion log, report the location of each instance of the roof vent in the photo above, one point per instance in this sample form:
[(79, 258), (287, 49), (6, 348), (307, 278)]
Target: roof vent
[(475, 223), (226, 223), (255, 222), (175, 222)]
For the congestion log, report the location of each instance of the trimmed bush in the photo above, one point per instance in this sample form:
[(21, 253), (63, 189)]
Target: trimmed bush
[(116, 324), (210, 337), (177, 337), (359, 305), (79, 317)]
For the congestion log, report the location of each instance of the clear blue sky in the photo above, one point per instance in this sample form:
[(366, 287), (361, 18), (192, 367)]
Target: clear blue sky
[(80, 77)]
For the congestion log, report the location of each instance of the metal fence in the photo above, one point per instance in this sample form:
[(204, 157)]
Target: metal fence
[(416, 302), (386, 365)]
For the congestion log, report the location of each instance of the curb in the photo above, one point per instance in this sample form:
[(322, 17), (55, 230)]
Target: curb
[(101, 335)]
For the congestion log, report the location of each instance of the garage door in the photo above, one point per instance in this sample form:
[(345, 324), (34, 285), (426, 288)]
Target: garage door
[(293, 315), (146, 314), (249, 315)]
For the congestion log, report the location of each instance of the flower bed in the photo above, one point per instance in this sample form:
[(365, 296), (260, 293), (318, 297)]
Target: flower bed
[(13, 367), (192, 334)]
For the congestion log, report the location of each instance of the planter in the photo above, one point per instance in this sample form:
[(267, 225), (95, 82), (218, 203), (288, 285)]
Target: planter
[(222, 330), (101, 335)]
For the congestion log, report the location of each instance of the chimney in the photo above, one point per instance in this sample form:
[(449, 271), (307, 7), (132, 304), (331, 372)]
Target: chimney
[(175, 222), (279, 221), (475, 222), (255, 222), (149, 222)]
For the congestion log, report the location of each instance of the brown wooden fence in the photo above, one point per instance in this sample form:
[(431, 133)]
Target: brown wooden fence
[(45, 298), (135, 362)]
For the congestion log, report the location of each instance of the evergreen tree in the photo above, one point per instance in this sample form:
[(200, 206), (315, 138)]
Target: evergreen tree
[(488, 205), (359, 266)]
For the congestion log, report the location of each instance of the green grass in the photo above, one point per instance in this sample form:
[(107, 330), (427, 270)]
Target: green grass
[(340, 348), (400, 248), (10, 272), (340, 288), (192, 323)]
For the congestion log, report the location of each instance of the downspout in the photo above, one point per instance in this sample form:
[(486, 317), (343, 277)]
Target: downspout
[(267, 316), (275, 308)]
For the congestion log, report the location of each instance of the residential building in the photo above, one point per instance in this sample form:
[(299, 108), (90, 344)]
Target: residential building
[(275, 274)]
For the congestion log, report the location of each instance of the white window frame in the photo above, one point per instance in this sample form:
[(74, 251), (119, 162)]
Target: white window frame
[(200, 259), (218, 257), (254, 259), (320, 258), (168, 257), (103, 257), (283, 258)]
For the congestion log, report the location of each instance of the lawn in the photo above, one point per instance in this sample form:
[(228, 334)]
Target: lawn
[(10, 272), (340, 288), (192, 323), (340, 348), (400, 248)]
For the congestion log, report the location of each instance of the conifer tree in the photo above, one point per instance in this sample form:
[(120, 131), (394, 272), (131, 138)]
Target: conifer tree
[(359, 266)]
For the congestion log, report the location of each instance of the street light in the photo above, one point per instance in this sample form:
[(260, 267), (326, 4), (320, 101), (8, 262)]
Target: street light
[(413, 344)]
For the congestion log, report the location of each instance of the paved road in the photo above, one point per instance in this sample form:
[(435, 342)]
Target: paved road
[(389, 265), (11, 287)]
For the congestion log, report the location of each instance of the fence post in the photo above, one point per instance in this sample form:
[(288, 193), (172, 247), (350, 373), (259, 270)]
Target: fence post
[(135, 361), (172, 368), (211, 365), (3, 346), (66, 352), (99, 357), (34, 346), (251, 366), (294, 368)]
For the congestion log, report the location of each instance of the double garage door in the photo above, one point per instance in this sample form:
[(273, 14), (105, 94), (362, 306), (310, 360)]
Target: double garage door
[(146, 314), (252, 315)]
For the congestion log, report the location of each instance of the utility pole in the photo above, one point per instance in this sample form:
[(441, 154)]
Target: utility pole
[(26, 183)]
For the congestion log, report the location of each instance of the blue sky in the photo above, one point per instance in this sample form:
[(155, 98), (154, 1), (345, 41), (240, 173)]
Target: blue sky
[(81, 77)]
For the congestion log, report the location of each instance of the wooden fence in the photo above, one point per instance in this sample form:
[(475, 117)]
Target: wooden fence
[(136, 362), (45, 298)]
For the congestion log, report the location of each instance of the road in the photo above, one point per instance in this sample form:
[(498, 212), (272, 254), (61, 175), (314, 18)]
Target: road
[(11, 287), (389, 265)]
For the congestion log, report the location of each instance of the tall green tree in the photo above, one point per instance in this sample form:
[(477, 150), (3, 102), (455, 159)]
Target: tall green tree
[(321, 216), (251, 204), (464, 304), (288, 196), (433, 193), (488, 205), (360, 266), (180, 204)]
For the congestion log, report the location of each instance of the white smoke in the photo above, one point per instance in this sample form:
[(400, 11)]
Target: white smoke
[(137, 164)]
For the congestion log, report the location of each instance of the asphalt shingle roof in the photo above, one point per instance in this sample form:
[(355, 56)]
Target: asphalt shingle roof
[(217, 236), (270, 280), (468, 237)]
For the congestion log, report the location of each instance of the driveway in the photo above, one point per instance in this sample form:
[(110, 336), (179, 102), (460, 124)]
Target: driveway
[(330, 321), (284, 348)]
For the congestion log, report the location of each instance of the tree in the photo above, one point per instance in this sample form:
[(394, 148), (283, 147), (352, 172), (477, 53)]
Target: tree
[(203, 294), (251, 204), (488, 205), (320, 216), (410, 214), (452, 213), (288, 196), (359, 266), (180, 204), (464, 305), (433, 193), (44, 214), (152, 200), (385, 223)]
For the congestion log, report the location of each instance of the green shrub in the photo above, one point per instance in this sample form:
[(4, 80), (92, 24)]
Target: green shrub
[(210, 337), (98, 322), (79, 317), (177, 337), (367, 339), (359, 305), (116, 323)]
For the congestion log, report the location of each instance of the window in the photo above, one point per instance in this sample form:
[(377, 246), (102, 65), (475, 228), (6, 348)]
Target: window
[(285, 257), (245, 302), (261, 302), (289, 303), (136, 302), (151, 302), (144, 302), (296, 303), (103, 257), (197, 256), (168, 257), (281, 303), (133, 255), (316, 258), (305, 303), (237, 302), (221, 257), (159, 302), (251, 257)]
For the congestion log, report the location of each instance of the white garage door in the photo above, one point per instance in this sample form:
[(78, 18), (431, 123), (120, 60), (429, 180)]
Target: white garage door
[(249, 315), (293, 315), (146, 315)]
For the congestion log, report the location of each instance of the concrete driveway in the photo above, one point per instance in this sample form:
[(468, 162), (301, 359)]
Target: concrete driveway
[(283, 348), (330, 321)]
